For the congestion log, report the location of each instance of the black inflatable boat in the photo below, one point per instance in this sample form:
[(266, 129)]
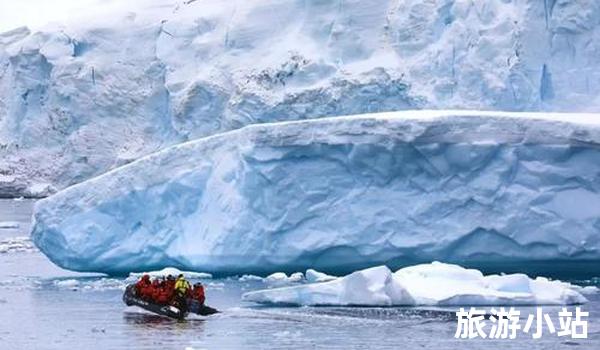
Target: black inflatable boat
[(130, 298)]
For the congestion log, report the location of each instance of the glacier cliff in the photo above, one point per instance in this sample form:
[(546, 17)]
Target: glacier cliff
[(338, 194), (83, 97)]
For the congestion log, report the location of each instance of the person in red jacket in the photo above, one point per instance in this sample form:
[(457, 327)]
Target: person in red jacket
[(141, 287), (170, 283), (155, 290), (198, 293)]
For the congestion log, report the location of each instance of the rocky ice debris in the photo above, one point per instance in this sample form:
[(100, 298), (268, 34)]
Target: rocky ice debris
[(340, 194)]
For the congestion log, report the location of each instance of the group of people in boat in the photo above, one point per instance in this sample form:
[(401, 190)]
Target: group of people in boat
[(170, 291)]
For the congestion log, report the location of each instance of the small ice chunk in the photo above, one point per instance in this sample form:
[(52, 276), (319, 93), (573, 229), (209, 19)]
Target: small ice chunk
[(67, 284), (87, 284), (40, 190), (216, 285), (246, 278), (277, 276), (587, 290), (171, 271), (280, 278), (316, 276), (17, 245), (9, 224)]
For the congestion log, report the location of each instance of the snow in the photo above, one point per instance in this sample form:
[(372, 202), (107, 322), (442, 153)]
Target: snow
[(434, 284), (340, 194), (115, 82)]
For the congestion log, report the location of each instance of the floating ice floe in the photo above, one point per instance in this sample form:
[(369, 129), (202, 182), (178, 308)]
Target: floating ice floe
[(171, 271), (17, 245), (21, 283), (246, 278), (316, 276), (98, 284), (280, 278), (9, 224), (435, 284), (587, 290)]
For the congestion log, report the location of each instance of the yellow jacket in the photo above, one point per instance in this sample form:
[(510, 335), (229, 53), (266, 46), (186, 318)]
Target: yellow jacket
[(181, 285)]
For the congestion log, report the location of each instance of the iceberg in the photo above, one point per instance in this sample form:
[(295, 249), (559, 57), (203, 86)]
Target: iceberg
[(340, 194), (434, 284), (129, 78)]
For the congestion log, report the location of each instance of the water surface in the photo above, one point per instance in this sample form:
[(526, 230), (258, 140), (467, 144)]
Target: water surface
[(45, 307)]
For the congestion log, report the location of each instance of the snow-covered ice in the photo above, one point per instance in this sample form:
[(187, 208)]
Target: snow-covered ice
[(340, 194), (373, 286), (111, 85), (170, 271), (316, 276), (280, 278), (434, 284)]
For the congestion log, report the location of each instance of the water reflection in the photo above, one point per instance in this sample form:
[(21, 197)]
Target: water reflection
[(150, 321)]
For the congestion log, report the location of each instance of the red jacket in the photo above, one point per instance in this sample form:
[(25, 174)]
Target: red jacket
[(198, 294), (142, 285)]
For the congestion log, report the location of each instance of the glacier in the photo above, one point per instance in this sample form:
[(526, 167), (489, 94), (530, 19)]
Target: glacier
[(434, 284), (482, 189), (113, 84)]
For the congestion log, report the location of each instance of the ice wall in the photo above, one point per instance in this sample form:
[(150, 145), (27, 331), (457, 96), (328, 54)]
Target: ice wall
[(84, 97), (338, 194)]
